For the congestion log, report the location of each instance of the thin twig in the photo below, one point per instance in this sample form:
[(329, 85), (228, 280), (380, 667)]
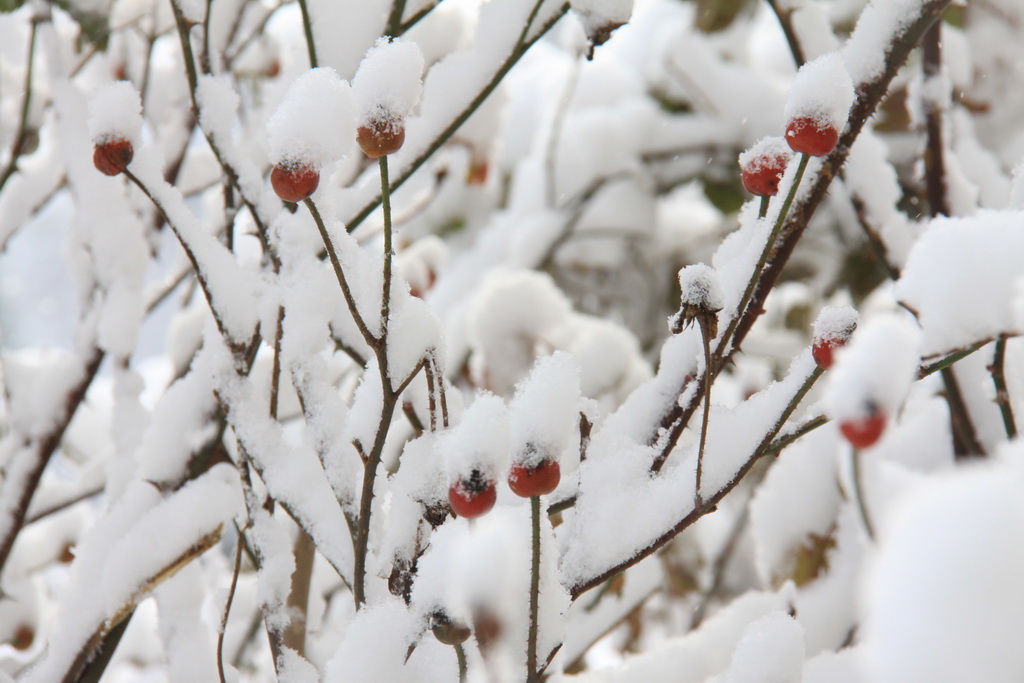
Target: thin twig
[(394, 25), (227, 606), (858, 491), (22, 135), (307, 27), (1002, 392)]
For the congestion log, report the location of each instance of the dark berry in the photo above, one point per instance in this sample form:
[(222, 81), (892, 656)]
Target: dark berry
[(112, 157), (293, 183)]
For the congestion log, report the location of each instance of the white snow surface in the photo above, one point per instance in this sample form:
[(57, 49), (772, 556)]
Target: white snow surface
[(771, 650), (389, 83), (764, 152), (925, 625), (544, 414), (315, 124), (115, 113), (822, 91), (961, 278), (835, 322), (479, 441), (701, 288), (875, 368)]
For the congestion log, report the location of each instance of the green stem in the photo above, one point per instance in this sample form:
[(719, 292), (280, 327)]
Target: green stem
[(385, 193), (705, 334), (858, 490), (460, 654), (765, 253), (307, 26), (531, 642), (763, 209), (1002, 392)]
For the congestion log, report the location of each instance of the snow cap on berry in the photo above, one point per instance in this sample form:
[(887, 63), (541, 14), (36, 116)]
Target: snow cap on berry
[(770, 155), (835, 323), (876, 370), (544, 415), (314, 124), (701, 288), (388, 84), (822, 92), (479, 441), (115, 113)]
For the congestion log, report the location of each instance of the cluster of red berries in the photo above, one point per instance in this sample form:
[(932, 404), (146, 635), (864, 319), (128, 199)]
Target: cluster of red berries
[(761, 172), (475, 495)]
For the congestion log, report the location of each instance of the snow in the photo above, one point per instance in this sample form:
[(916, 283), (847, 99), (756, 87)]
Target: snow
[(958, 306), (315, 124), (949, 625), (388, 85), (875, 368), (765, 152), (822, 92), (771, 649), (835, 323), (544, 414), (479, 441), (115, 113), (881, 21), (701, 288)]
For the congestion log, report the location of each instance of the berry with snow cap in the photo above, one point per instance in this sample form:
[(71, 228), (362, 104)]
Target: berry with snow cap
[(818, 105), (810, 137), (832, 330), (447, 630), (387, 88), (294, 182), (541, 479), (113, 156), (472, 496), (762, 166)]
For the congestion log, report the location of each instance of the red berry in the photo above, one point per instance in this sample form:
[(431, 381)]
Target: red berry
[(761, 176), (293, 183), (807, 136), (112, 157), (534, 481), (448, 630), (865, 431), (473, 496), (823, 350), (381, 138)]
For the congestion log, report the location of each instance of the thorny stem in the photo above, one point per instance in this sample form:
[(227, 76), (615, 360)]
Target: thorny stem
[(307, 26), (275, 374), (1002, 392), (385, 193), (858, 491), (227, 606), (22, 134), (460, 655), (531, 641)]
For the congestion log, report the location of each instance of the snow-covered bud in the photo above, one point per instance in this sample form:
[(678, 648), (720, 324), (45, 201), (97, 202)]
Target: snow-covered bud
[(702, 299), (387, 88), (600, 18)]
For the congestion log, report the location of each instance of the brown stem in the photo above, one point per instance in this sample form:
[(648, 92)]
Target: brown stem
[(785, 17), (298, 598), (227, 606), (707, 505), (39, 451), (22, 135)]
